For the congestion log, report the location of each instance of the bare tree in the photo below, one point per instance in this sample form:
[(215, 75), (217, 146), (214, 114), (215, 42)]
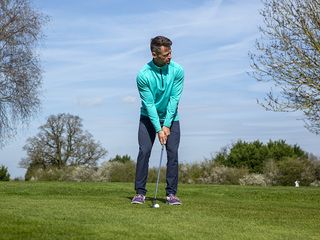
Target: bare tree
[(61, 142), (288, 55), (20, 73)]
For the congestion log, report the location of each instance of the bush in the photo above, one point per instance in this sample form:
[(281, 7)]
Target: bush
[(114, 171), (72, 173), (49, 174), (153, 174), (210, 173), (271, 172), (226, 175), (122, 169), (18, 179), (121, 172), (80, 174), (292, 169), (117, 169), (316, 165), (316, 183), (253, 179), (190, 173), (4, 173), (254, 155), (103, 172), (248, 155)]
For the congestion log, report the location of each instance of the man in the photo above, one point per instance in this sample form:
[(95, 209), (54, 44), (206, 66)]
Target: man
[(160, 84)]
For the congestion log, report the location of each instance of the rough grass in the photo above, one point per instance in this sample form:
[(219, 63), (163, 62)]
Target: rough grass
[(65, 210)]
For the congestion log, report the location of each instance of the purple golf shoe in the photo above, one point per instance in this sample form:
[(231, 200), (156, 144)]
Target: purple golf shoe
[(138, 199), (173, 200)]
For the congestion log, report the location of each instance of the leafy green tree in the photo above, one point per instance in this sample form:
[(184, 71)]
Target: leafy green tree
[(253, 155), (122, 159), (250, 155), (295, 169), (278, 150), (244, 154), (4, 174)]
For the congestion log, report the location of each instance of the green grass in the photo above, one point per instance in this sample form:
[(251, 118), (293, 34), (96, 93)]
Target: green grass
[(64, 210)]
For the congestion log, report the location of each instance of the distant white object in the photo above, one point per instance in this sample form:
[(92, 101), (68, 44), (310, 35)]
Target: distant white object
[(296, 183)]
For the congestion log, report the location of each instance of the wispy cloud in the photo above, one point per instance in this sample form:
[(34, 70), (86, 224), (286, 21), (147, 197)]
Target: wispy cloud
[(129, 99), (90, 101)]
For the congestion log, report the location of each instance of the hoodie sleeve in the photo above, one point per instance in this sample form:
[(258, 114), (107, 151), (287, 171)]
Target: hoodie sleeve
[(174, 98), (148, 101)]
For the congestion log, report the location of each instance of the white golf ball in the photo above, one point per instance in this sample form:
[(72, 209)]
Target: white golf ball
[(156, 205)]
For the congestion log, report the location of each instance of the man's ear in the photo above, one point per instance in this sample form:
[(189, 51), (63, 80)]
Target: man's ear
[(154, 54)]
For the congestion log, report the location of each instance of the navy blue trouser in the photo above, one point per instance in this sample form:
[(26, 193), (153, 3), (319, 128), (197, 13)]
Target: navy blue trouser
[(146, 137)]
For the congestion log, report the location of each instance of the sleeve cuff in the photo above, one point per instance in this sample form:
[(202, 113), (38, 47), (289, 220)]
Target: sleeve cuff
[(158, 128), (167, 123)]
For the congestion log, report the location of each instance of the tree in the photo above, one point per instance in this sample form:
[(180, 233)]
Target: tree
[(278, 150), (20, 73), (61, 142), (4, 174), (292, 169), (121, 159), (248, 155), (254, 155), (288, 55)]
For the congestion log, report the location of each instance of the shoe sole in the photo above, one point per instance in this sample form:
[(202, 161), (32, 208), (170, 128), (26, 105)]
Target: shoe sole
[(137, 202), (172, 204)]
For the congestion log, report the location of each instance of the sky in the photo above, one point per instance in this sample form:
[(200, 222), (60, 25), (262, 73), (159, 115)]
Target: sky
[(92, 52)]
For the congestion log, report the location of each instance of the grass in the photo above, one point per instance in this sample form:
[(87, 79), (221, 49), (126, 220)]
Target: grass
[(65, 210)]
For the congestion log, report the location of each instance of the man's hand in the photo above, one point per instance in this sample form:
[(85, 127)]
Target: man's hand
[(162, 137), (166, 131)]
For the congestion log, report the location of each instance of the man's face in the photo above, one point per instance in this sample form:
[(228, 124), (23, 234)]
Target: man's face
[(163, 57)]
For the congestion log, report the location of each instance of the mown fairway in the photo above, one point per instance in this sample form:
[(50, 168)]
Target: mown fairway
[(63, 210)]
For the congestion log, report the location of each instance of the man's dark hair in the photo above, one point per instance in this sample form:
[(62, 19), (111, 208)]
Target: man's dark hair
[(159, 41)]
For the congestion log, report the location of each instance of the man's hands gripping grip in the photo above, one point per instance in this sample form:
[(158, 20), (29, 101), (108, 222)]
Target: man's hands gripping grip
[(163, 135)]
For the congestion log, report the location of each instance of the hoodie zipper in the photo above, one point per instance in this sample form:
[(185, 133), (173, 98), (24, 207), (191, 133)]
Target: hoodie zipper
[(161, 78)]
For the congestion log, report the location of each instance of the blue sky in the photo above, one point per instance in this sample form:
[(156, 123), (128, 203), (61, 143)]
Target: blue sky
[(94, 49)]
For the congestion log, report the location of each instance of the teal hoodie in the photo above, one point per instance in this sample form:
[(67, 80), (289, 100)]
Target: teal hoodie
[(160, 89)]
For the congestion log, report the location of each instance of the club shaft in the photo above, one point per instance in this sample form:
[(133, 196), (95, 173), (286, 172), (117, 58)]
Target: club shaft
[(158, 177)]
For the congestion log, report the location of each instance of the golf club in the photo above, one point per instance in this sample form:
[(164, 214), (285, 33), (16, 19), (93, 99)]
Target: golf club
[(155, 205)]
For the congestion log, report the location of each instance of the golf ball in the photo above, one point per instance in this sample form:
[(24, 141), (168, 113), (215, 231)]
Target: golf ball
[(156, 205)]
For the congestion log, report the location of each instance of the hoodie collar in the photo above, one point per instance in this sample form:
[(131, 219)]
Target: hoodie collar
[(157, 68)]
